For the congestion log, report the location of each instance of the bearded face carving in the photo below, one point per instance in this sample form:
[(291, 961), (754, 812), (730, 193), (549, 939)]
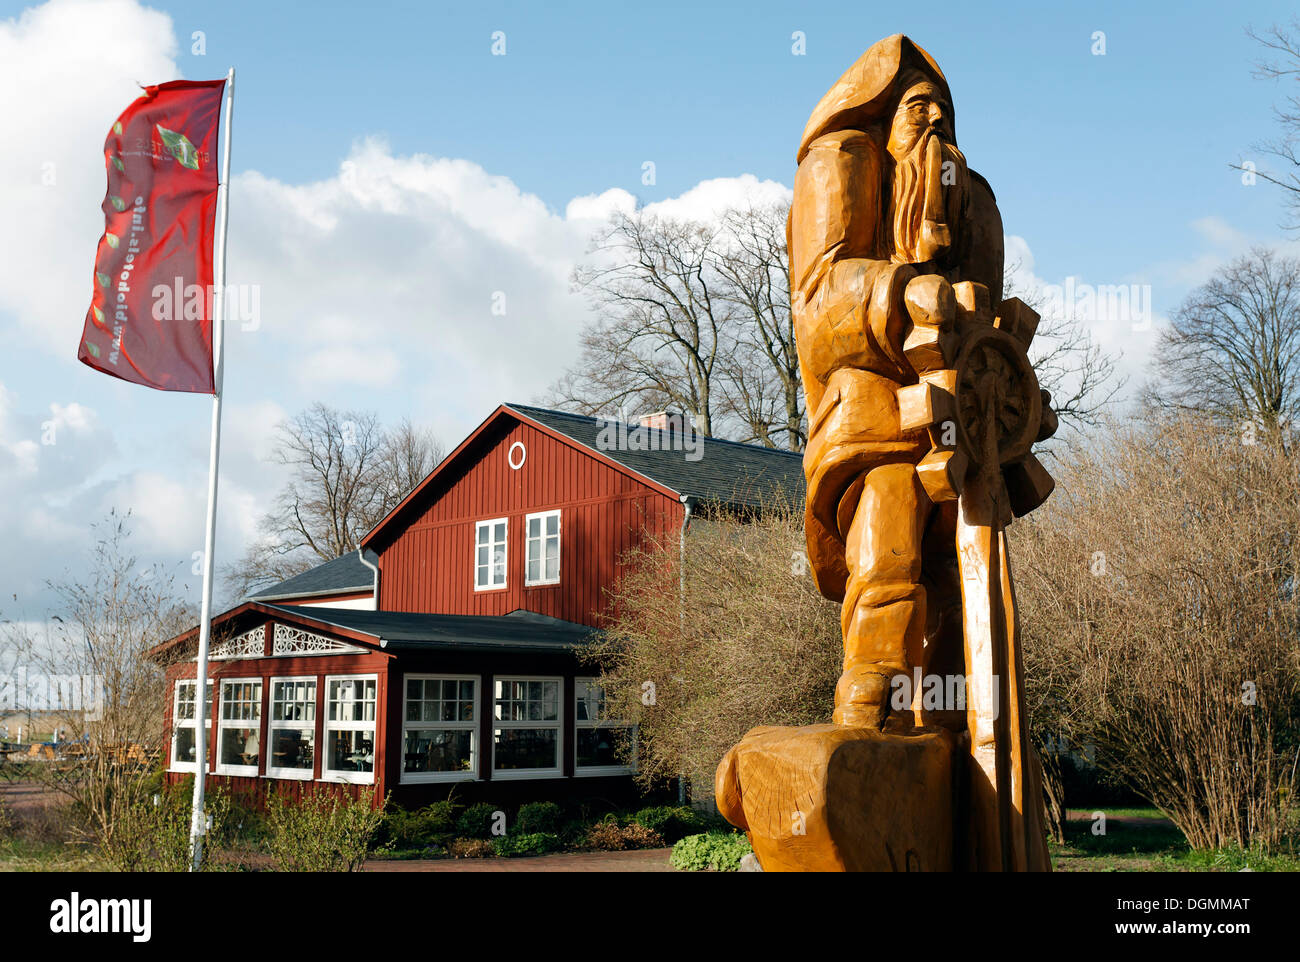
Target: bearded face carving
[(931, 186)]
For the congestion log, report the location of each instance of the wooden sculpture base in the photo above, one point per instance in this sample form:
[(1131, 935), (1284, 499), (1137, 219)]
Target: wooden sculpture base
[(827, 798)]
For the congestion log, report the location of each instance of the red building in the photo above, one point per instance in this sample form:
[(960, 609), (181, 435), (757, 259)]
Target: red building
[(448, 653)]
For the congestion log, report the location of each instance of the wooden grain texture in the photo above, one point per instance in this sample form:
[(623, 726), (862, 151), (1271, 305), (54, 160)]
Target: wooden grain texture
[(920, 395)]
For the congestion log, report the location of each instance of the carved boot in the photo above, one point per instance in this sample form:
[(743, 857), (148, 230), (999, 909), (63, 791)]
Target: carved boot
[(862, 697), (883, 633)]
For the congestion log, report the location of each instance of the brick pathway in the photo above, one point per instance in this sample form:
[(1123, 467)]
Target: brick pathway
[(645, 860)]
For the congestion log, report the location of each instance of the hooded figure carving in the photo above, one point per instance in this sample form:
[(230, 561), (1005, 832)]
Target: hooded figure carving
[(923, 407), (882, 195)]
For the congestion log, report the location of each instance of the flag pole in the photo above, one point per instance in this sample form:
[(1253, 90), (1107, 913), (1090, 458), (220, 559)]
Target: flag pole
[(198, 821)]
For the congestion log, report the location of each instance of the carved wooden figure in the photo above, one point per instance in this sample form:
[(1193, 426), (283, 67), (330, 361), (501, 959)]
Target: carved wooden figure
[(922, 408)]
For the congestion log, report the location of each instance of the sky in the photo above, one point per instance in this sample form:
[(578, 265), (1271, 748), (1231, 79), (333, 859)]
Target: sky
[(393, 179)]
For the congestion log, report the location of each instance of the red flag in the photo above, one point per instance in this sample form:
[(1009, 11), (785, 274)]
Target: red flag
[(150, 320)]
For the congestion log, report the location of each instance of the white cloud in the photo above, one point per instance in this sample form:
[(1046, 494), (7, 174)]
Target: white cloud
[(423, 286), (709, 198), (1118, 313), (67, 69)]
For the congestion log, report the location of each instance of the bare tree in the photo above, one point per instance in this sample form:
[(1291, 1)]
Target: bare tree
[(762, 388), (1080, 376), (698, 317), (347, 474), (665, 325), (1282, 62), (406, 457), (1232, 349), (731, 633), (109, 697), (1159, 616)]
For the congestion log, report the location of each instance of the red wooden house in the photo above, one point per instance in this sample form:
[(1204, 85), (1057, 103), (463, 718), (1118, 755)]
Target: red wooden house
[(447, 655)]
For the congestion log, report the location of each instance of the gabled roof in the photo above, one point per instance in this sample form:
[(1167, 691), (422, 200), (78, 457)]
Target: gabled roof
[(343, 574), (707, 469)]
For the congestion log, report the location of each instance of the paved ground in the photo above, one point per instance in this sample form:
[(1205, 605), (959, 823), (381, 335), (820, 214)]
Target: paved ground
[(645, 860), (24, 797)]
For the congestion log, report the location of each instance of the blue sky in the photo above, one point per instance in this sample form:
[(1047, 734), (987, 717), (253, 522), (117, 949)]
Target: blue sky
[(1087, 153), (391, 175)]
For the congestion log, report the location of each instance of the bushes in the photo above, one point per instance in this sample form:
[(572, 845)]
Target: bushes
[(609, 836), (537, 828), (672, 822), (714, 851), (421, 828), (471, 848), (152, 834), (322, 832), (636, 835), (538, 817), (533, 843), (477, 820)]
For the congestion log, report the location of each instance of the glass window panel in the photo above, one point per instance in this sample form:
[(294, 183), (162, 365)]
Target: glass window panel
[(238, 746), (519, 748), (293, 748), (350, 751), (600, 746), (552, 524), (534, 527), (438, 750), (499, 532), (186, 750)]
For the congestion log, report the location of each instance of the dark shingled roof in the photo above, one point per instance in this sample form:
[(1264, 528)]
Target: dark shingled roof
[(345, 573), (723, 471), (518, 632)]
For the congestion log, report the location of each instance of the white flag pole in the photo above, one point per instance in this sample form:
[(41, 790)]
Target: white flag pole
[(198, 821)]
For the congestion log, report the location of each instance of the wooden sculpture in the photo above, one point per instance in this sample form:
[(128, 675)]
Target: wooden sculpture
[(922, 409)]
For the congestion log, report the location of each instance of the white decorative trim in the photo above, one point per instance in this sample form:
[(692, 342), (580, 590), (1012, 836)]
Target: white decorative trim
[(294, 641), (250, 644)]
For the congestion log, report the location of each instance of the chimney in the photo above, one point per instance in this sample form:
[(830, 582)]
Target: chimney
[(665, 421)]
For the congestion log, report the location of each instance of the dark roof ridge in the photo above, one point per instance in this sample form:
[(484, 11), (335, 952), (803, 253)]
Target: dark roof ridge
[(524, 408)]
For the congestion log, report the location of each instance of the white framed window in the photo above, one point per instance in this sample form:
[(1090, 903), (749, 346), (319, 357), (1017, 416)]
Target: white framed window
[(602, 745), (239, 735), (542, 548), (291, 729), (526, 727), (440, 728), (351, 702), (490, 554), (184, 750)]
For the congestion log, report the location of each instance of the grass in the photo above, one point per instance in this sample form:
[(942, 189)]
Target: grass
[(20, 855), (1149, 846)]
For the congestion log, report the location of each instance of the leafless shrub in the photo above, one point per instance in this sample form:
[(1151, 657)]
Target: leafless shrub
[(113, 741), (1159, 611), (738, 637)]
